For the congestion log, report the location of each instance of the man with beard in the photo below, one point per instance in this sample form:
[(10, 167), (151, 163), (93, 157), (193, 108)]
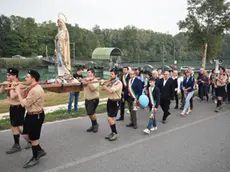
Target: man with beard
[(114, 89)]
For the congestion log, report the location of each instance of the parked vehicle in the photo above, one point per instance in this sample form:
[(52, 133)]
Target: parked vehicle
[(174, 67), (148, 68), (166, 68), (184, 68), (18, 56)]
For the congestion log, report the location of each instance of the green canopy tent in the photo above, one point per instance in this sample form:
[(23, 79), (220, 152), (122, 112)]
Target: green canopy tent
[(108, 57), (111, 54), (106, 53)]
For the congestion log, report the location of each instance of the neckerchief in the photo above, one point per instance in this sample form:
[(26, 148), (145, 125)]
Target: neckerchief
[(8, 92), (124, 80), (130, 89), (113, 82), (32, 86)]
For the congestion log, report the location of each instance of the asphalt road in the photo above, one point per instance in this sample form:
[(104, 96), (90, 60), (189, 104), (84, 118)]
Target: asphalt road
[(199, 142)]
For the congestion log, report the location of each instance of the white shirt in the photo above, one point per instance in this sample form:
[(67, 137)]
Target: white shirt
[(132, 79), (179, 80), (164, 82)]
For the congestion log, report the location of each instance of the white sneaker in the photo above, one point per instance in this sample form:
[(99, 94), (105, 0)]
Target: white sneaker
[(153, 129), (147, 131), (189, 111)]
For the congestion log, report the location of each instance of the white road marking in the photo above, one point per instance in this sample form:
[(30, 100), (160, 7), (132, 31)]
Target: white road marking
[(97, 155)]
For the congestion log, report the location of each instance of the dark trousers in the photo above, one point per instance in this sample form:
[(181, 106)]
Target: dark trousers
[(182, 97), (225, 96), (165, 107), (199, 90), (133, 113), (122, 107), (204, 91), (176, 98), (191, 102), (213, 93), (228, 90)]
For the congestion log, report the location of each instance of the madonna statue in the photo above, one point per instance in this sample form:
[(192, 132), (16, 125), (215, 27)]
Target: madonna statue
[(62, 50)]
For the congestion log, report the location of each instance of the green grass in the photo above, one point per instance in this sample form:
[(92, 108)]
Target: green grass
[(57, 115), (20, 63), (52, 99), (61, 114), (4, 124)]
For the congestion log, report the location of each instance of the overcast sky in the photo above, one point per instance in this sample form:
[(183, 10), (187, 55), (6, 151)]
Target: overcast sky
[(157, 15)]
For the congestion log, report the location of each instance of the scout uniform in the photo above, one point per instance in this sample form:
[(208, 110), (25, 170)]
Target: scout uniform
[(34, 103), (220, 87), (91, 103), (91, 98), (113, 106), (220, 90), (114, 98), (16, 113)]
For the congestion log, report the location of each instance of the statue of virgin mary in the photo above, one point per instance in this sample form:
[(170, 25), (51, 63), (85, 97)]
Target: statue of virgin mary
[(62, 50)]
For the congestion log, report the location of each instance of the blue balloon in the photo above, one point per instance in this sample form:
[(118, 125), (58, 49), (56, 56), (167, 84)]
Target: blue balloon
[(143, 101)]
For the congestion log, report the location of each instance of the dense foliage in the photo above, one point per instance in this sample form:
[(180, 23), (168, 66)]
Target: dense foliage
[(205, 24), (23, 36)]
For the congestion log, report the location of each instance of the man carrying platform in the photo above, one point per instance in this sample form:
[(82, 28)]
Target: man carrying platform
[(114, 89), (34, 104), (17, 112)]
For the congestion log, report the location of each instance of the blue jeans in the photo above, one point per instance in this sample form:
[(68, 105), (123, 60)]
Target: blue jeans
[(187, 101), (72, 95), (152, 121)]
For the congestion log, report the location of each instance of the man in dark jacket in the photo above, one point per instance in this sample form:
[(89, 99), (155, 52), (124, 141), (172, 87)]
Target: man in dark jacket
[(167, 94), (132, 95), (200, 84), (125, 79)]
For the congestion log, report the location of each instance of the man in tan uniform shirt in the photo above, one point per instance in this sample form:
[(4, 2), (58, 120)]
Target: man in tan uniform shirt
[(16, 111), (114, 89), (220, 83), (91, 94), (34, 104)]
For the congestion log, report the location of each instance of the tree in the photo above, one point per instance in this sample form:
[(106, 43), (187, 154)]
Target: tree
[(5, 28), (205, 24)]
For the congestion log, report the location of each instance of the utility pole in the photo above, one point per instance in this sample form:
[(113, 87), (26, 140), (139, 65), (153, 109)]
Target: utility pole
[(174, 52), (204, 55), (73, 50), (46, 51), (163, 55)]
